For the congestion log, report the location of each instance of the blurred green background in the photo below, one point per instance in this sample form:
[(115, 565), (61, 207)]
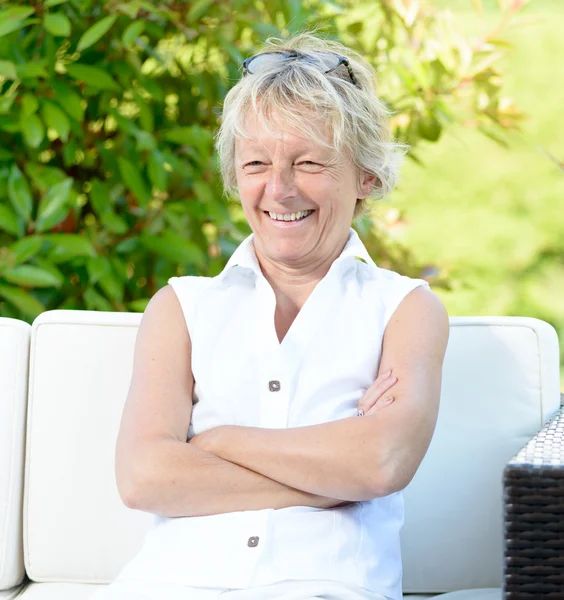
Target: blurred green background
[(493, 217), (109, 184)]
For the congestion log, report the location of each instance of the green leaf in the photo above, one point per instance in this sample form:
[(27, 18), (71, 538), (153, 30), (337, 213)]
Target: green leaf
[(95, 301), (203, 191), (26, 247), (16, 13), (100, 197), (19, 193), (57, 24), (112, 286), (94, 33), (92, 76), (69, 100), (32, 276), (199, 9), (9, 26), (114, 223), (133, 181), (23, 301), (68, 246), (429, 128), (54, 2), (32, 71), (132, 32), (174, 247), (8, 69), (6, 155), (44, 177), (6, 102), (157, 173), (9, 221), (33, 130), (56, 119), (97, 267), (30, 104), (191, 136), (49, 211)]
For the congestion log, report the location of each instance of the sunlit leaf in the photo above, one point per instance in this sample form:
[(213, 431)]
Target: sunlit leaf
[(33, 130), (134, 181), (67, 246), (32, 276), (132, 32), (57, 24), (199, 9), (49, 212), (22, 300), (19, 193), (8, 69), (56, 119), (9, 221), (174, 247), (92, 76), (94, 33), (27, 247)]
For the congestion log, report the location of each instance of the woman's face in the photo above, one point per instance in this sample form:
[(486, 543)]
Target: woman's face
[(286, 176)]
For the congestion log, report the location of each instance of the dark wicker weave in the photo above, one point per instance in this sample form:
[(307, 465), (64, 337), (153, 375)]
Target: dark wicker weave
[(533, 484)]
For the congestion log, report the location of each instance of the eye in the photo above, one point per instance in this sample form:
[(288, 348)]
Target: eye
[(310, 165), (253, 163)]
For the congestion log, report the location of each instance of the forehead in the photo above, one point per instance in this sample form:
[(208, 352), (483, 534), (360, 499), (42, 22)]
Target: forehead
[(304, 131)]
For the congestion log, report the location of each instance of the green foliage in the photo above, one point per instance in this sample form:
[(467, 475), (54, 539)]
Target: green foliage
[(108, 180)]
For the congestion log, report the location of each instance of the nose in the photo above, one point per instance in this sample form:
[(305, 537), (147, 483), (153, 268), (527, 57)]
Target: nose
[(281, 184)]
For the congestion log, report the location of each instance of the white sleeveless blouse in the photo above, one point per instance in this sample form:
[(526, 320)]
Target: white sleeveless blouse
[(325, 363)]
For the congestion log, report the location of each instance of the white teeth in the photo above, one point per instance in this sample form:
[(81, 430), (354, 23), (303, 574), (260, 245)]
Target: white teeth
[(290, 216)]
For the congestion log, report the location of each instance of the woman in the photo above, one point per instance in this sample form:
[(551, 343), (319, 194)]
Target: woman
[(278, 372)]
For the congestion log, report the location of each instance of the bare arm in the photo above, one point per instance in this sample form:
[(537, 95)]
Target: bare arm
[(156, 470), (359, 458)]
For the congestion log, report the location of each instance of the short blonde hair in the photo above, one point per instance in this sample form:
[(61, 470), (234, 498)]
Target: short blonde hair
[(358, 120)]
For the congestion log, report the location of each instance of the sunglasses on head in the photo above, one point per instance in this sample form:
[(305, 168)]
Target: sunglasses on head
[(327, 61)]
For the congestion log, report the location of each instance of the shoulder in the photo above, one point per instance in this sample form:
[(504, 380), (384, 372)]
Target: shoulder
[(420, 314)]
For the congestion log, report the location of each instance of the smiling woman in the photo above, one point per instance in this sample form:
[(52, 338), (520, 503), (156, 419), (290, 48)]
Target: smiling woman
[(282, 491)]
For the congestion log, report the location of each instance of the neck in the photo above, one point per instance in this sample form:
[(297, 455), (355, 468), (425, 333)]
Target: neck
[(292, 284)]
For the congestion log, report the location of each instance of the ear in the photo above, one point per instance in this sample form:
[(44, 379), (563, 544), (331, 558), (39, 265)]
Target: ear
[(366, 184)]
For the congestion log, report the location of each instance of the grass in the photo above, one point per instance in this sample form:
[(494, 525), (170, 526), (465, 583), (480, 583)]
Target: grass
[(492, 217)]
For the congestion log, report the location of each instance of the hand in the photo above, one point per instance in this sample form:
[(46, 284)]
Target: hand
[(208, 440), (371, 401)]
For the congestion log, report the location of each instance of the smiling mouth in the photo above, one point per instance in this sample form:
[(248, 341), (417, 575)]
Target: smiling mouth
[(295, 216)]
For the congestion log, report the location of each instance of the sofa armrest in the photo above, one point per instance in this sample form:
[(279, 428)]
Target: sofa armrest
[(533, 489)]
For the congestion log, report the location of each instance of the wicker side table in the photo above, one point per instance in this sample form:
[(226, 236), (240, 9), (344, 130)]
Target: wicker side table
[(533, 483)]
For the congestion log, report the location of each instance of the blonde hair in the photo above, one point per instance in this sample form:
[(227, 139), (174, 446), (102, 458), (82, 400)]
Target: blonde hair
[(358, 121)]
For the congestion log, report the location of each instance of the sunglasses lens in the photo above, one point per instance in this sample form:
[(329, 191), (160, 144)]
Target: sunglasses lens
[(265, 61), (328, 60)]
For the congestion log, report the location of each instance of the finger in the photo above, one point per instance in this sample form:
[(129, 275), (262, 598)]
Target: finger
[(380, 405), (375, 392)]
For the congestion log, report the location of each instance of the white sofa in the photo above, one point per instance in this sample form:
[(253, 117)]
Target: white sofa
[(64, 530)]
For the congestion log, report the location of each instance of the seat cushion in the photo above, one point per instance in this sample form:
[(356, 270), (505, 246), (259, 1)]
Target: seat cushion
[(14, 356), (478, 594), (57, 591)]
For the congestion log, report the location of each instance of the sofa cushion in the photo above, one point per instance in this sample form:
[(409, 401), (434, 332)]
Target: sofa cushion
[(14, 354), (500, 384), (478, 594), (57, 591), (76, 528)]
